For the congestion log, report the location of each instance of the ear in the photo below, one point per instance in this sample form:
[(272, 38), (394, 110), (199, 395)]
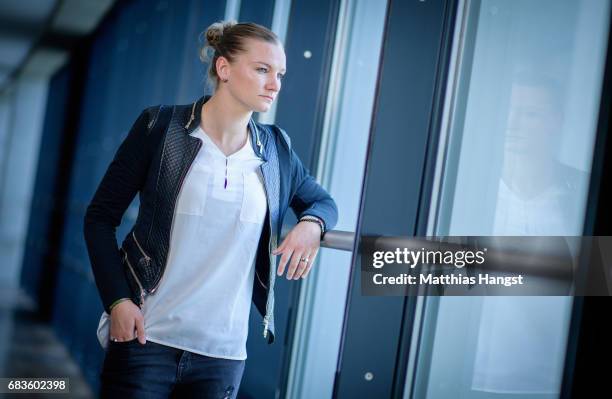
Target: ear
[(223, 68)]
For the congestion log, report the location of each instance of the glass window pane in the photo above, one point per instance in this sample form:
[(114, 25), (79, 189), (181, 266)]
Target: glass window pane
[(519, 155), (341, 168)]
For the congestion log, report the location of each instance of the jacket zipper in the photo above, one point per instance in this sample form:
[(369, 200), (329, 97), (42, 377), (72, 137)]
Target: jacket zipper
[(142, 292), (266, 316), (259, 279), (139, 247), (266, 320), (199, 145)]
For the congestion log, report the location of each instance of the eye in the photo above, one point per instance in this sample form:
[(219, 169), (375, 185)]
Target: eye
[(281, 76), (262, 69)]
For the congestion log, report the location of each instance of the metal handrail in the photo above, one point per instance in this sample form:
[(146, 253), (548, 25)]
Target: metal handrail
[(500, 259), (338, 239)]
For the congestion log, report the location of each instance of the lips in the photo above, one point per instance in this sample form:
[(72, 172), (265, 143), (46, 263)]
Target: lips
[(268, 97)]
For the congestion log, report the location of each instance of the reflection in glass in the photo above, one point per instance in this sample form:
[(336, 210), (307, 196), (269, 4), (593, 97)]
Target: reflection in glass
[(537, 194), (521, 341), (519, 153)]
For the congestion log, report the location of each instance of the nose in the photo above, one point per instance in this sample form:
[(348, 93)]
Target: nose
[(273, 84)]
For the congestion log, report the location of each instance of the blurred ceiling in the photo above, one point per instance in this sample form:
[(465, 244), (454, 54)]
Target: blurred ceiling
[(37, 35)]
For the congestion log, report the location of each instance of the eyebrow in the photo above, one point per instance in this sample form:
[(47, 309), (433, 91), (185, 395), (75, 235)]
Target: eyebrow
[(269, 66)]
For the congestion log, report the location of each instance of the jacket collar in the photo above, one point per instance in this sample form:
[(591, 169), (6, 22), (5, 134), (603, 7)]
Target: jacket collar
[(194, 119)]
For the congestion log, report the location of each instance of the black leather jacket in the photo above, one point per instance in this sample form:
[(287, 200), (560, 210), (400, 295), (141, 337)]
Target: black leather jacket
[(154, 165)]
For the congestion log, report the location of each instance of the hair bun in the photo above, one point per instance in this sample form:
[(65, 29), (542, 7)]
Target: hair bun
[(214, 33)]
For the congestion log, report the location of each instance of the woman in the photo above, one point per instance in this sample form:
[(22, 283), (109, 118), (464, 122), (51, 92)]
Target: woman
[(214, 187)]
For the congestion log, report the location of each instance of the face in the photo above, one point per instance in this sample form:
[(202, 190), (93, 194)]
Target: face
[(532, 121), (254, 78)]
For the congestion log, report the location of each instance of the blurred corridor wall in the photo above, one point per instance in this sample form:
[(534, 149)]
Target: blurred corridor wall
[(40, 251), (21, 113)]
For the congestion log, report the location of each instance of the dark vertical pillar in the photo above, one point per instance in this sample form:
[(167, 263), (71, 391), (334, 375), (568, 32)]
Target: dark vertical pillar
[(396, 189)]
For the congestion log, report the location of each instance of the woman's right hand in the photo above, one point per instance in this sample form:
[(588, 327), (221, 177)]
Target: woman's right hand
[(126, 320)]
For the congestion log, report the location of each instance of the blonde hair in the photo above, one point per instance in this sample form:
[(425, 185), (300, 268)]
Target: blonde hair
[(226, 39)]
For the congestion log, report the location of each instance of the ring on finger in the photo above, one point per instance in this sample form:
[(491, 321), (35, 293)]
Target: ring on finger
[(302, 268)]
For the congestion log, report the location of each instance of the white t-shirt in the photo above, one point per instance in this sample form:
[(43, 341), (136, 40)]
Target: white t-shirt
[(203, 300), (520, 345)]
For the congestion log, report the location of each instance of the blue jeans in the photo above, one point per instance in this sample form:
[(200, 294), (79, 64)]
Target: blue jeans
[(132, 370)]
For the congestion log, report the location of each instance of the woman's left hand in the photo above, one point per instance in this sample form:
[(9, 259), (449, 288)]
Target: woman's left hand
[(303, 241)]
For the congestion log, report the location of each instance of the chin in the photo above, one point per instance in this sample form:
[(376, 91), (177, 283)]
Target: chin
[(262, 107)]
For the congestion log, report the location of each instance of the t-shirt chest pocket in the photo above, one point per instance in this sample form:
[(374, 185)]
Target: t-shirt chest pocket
[(254, 202), (192, 198)]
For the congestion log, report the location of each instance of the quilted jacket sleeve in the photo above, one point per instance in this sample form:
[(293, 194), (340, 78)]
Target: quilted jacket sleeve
[(124, 177)]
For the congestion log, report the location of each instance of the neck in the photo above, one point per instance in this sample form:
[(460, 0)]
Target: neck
[(224, 119), (527, 176)]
